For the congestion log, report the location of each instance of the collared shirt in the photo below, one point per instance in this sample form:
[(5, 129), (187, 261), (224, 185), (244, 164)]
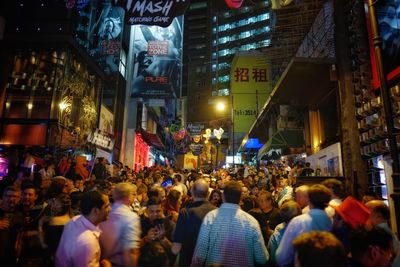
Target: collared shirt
[(229, 237), (120, 232), (314, 220), (275, 239), (79, 244)]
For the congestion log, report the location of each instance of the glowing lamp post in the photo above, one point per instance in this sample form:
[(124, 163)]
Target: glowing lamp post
[(218, 134)]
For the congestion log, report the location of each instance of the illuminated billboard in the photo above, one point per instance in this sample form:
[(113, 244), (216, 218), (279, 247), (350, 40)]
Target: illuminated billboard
[(157, 66), (156, 12), (250, 87), (389, 26), (99, 30)]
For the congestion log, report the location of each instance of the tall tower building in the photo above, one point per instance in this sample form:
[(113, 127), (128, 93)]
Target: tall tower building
[(213, 34)]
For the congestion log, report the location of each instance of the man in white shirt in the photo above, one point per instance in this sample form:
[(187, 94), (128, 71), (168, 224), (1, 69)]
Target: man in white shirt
[(120, 236), (79, 245)]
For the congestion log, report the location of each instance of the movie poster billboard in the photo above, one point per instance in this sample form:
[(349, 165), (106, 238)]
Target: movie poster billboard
[(250, 87), (388, 13), (152, 12), (106, 120), (157, 67), (105, 35)]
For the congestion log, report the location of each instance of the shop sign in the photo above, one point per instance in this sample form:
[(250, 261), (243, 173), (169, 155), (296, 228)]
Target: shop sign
[(101, 139), (160, 13), (195, 129)]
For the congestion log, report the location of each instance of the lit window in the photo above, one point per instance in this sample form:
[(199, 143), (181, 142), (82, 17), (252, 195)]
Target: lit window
[(122, 63), (223, 92)]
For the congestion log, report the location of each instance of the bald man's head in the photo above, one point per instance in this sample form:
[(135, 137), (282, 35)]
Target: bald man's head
[(200, 189)]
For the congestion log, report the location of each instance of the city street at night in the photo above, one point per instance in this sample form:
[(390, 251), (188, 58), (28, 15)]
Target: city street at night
[(180, 133)]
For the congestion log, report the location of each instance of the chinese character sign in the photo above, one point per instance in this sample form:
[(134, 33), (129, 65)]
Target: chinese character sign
[(250, 87), (157, 65)]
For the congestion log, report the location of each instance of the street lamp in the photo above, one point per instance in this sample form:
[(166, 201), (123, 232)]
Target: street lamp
[(221, 106), (218, 134)]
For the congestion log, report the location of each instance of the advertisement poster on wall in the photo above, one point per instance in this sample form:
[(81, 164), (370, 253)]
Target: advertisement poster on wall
[(157, 68), (387, 13), (389, 26), (105, 35), (106, 120), (148, 12)]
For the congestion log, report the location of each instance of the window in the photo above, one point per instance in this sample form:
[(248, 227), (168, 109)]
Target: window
[(122, 63), (199, 5), (224, 79), (223, 92)]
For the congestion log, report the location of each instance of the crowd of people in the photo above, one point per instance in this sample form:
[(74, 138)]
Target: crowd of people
[(64, 213)]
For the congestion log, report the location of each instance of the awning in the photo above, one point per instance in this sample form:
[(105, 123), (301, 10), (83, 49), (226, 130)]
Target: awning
[(151, 139), (304, 83), (283, 140)]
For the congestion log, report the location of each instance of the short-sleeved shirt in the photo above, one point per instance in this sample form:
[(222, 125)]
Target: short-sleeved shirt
[(229, 237), (79, 245), (120, 232), (188, 227)]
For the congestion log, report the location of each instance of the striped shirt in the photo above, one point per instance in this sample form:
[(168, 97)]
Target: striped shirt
[(229, 237)]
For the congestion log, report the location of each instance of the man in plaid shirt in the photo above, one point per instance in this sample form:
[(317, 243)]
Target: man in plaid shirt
[(229, 236)]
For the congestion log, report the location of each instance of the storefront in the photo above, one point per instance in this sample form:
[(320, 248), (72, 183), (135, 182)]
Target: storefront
[(142, 150)]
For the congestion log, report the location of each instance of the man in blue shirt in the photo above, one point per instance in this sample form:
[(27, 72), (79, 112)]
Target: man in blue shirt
[(229, 236), (316, 219)]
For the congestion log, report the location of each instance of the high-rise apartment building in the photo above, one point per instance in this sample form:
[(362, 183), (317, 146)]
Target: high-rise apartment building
[(213, 34)]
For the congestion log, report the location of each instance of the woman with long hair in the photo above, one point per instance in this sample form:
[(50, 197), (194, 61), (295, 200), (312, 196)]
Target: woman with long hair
[(173, 204)]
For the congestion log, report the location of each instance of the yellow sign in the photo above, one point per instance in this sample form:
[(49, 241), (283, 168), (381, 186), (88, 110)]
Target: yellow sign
[(190, 161), (250, 87)]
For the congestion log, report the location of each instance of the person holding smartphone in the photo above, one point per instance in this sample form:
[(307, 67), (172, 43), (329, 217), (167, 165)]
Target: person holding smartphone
[(156, 227)]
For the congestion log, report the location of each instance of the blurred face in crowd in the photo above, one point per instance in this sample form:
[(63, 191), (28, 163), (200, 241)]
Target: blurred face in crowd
[(78, 184), (102, 213), (215, 198), (264, 202), (283, 182), (213, 184), (68, 186), (245, 191), (255, 191), (29, 197), (155, 212), (380, 257), (302, 199), (45, 183), (10, 199)]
